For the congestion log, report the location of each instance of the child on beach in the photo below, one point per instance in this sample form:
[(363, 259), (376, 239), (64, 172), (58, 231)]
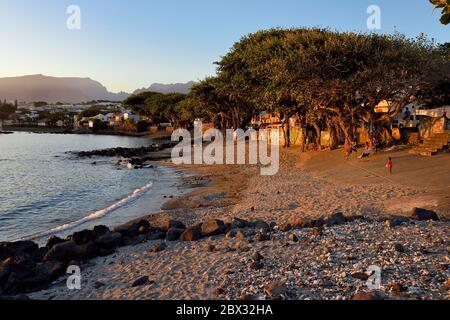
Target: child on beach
[(389, 165)]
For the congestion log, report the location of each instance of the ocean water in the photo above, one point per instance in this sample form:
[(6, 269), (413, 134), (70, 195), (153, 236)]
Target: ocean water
[(44, 191)]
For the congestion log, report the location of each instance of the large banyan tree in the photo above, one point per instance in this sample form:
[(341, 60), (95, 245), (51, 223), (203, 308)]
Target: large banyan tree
[(331, 80)]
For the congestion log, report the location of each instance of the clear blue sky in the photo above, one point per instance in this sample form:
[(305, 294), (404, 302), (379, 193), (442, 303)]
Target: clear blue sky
[(133, 43)]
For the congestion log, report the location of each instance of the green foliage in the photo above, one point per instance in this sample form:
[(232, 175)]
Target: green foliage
[(6, 109), (445, 12)]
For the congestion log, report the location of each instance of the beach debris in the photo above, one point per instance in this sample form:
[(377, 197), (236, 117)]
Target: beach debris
[(98, 284), (360, 275), (399, 247), (256, 265), (423, 214), (158, 247), (374, 295), (140, 281), (292, 237), (276, 289), (260, 224), (257, 256), (262, 237)]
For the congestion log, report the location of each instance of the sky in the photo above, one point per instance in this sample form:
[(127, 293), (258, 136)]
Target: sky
[(131, 44)]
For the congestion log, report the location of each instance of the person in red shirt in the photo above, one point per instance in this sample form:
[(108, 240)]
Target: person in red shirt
[(389, 165)]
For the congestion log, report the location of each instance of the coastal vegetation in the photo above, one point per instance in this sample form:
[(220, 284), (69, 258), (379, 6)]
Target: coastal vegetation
[(329, 80)]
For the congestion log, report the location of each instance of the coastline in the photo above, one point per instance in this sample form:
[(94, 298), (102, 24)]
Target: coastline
[(307, 263)]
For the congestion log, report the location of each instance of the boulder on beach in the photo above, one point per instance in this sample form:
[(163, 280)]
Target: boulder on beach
[(213, 227), (133, 228), (8, 249), (83, 237), (109, 240), (69, 250), (423, 215), (174, 234), (191, 234), (100, 230), (336, 219), (53, 240)]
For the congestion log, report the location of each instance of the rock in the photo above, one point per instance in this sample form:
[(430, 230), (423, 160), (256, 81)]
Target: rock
[(109, 240), (317, 232), (335, 219), (8, 249), (155, 235), (239, 223), (165, 224), (211, 248), (142, 229), (39, 255), (191, 234), (158, 247), (275, 289), (256, 265), (285, 227), (360, 275), (398, 288), (53, 240), (132, 229), (131, 241), (399, 248), (69, 250), (262, 237), (423, 215), (100, 230), (83, 237), (231, 234), (319, 223), (246, 297), (98, 284), (213, 227), (174, 234), (395, 221), (140, 281), (257, 256), (219, 291), (261, 225), (300, 223), (22, 265), (240, 235), (292, 237), (368, 296)]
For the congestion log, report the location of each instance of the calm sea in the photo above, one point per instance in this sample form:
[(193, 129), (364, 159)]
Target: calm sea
[(45, 191)]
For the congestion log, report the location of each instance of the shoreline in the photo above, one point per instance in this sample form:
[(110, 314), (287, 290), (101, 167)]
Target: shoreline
[(223, 266)]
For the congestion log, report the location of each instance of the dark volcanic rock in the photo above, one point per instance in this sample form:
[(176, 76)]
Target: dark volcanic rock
[(133, 228), (191, 234), (109, 240), (83, 237), (423, 214), (8, 249), (335, 219), (140, 281), (53, 240), (213, 227), (174, 234), (100, 230), (155, 235), (259, 224), (69, 250)]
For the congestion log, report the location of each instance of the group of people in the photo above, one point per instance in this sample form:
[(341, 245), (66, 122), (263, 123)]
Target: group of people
[(368, 150)]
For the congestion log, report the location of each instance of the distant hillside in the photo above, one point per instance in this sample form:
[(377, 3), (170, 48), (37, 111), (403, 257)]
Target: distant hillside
[(52, 89), (168, 88)]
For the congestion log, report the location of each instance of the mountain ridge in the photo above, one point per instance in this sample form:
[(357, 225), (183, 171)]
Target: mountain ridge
[(38, 87)]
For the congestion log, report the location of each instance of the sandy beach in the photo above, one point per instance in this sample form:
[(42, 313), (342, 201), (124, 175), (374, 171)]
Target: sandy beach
[(307, 263)]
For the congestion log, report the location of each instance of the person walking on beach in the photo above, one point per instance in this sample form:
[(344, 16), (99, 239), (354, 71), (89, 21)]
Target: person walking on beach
[(389, 165)]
